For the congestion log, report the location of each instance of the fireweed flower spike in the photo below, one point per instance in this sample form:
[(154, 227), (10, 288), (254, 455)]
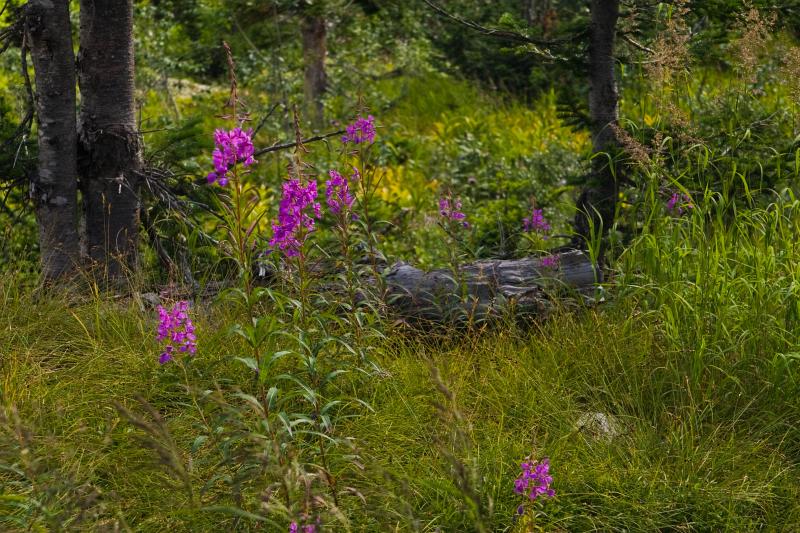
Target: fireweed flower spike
[(176, 328), (534, 481), (232, 147), (296, 214), (550, 261), (677, 202), (337, 193), (450, 209), (308, 528), (536, 222), (360, 131)]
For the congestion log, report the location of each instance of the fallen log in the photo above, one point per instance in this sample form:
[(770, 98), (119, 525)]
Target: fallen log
[(476, 292), (489, 289)]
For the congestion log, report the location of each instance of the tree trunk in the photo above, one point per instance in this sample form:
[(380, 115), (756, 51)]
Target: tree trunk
[(314, 52), (486, 289), (109, 140), (598, 200), (54, 186)]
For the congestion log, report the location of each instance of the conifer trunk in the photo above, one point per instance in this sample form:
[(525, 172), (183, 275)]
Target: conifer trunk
[(315, 78), (109, 140), (54, 184), (598, 200)]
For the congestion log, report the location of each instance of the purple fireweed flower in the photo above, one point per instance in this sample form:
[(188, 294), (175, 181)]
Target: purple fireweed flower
[(232, 147), (450, 210), (296, 214), (535, 480), (337, 192), (362, 130), (536, 222), (677, 202), (551, 261), (294, 527), (176, 328)]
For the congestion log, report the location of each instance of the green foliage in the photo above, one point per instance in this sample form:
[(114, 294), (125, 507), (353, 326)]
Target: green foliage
[(303, 402)]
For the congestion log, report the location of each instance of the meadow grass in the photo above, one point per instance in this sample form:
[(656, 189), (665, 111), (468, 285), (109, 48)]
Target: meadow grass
[(694, 352)]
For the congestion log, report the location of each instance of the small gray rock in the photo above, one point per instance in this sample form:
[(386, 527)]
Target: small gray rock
[(150, 299), (599, 425)]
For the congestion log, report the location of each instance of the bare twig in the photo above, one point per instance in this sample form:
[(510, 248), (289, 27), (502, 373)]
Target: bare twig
[(636, 44), (283, 146), (507, 34)]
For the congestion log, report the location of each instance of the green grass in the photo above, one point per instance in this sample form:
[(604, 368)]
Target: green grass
[(713, 451), (695, 352)]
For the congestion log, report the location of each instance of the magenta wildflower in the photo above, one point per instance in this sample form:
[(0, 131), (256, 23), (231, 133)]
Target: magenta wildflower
[(450, 210), (337, 192), (308, 528), (677, 202), (536, 222), (551, 261), (296, 214), (362, 130), (232, 147), (535, 480), (176, 328)]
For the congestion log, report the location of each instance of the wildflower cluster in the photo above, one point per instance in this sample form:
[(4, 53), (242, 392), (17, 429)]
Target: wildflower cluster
[(678, 202), (450, 210), (337, 192), (360, 131), (232, 147), (296, 213), (551, 261), (536, 222), (308, 528), (534, 481), (177, 329)]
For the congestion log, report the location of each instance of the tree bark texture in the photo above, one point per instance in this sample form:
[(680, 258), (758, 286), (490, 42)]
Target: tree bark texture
[(109, 140), (54, 185), (486, 289), (598, 200), (315, 50)]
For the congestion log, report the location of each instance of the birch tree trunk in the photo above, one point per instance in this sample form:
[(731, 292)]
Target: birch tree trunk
[(315, 81), (598, 200), (54, 185), (110, 157)]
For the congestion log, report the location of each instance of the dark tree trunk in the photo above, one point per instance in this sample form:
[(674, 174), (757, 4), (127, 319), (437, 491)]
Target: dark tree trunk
[(537, 12), (109, 140), (54, 186), (314, 53), (598, 200)]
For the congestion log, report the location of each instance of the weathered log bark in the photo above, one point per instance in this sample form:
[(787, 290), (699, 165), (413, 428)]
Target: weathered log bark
[(486, 289), (315, 78), (598, 199), (54, 185), (109, 140)]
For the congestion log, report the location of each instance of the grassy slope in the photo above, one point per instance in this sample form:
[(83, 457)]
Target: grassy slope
[(696, 354), (678, 464)]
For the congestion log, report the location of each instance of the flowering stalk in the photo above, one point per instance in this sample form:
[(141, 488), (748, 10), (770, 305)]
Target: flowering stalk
[(536, 229), (361, 135), (678, 202), (176, 328), (534, 481), (340, 204), (233, 151)]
